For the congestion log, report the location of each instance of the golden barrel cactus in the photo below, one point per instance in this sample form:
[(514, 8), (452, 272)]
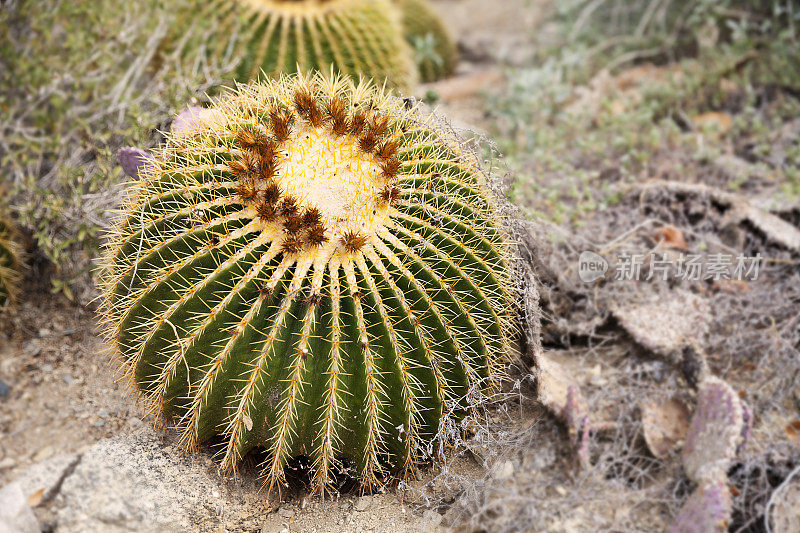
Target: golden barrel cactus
[(316, 269)]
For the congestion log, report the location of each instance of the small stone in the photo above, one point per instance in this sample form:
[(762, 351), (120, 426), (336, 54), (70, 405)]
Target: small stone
[(362, 503), (5, 390), (45, 477), (43, 454), (432, 518), (68, 379), (99, 423), (7, 463), (15, 513), (44, 332), (134, 422), (32, 348), (189, 119), (504, 470), (285, 512)]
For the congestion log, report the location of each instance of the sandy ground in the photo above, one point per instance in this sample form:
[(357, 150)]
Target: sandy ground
[(63, 395)]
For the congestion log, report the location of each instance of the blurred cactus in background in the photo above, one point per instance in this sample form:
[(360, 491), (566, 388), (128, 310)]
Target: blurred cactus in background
[(354, 37), (434, 50)]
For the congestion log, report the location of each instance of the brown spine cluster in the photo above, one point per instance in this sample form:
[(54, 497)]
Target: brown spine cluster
[(282, 121), (256, 165), (389, 194), (353, 241), (337, 111)]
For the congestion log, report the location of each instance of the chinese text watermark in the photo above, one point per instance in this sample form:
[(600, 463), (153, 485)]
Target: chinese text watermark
[(685, 267)]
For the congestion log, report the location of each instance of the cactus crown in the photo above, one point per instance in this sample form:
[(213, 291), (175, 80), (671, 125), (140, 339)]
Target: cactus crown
[(10, 263), (316, 270)]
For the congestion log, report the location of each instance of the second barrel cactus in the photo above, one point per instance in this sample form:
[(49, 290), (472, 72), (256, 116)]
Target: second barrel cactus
[(352, 37), (319, 271), (433, 48)]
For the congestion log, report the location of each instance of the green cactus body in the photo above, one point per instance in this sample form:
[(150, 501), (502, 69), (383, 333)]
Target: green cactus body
[(316, 270), (354, 37), (10, 263), (433, 48)]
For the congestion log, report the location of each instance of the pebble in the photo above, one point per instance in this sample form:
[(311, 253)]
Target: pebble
[(285, 512), (32, 349), (432, 517), (68, 379), (15, 513), (5, 390), (7, 463), (43, 454), (362, 503), (504, 470)]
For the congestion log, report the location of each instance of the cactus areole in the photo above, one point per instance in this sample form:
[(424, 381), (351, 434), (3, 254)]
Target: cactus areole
[(316, 271)]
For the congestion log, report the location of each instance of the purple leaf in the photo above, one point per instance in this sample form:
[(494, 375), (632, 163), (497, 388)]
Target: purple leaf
[(714, 433), (188, 119), (132, 160), (708, 510)]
